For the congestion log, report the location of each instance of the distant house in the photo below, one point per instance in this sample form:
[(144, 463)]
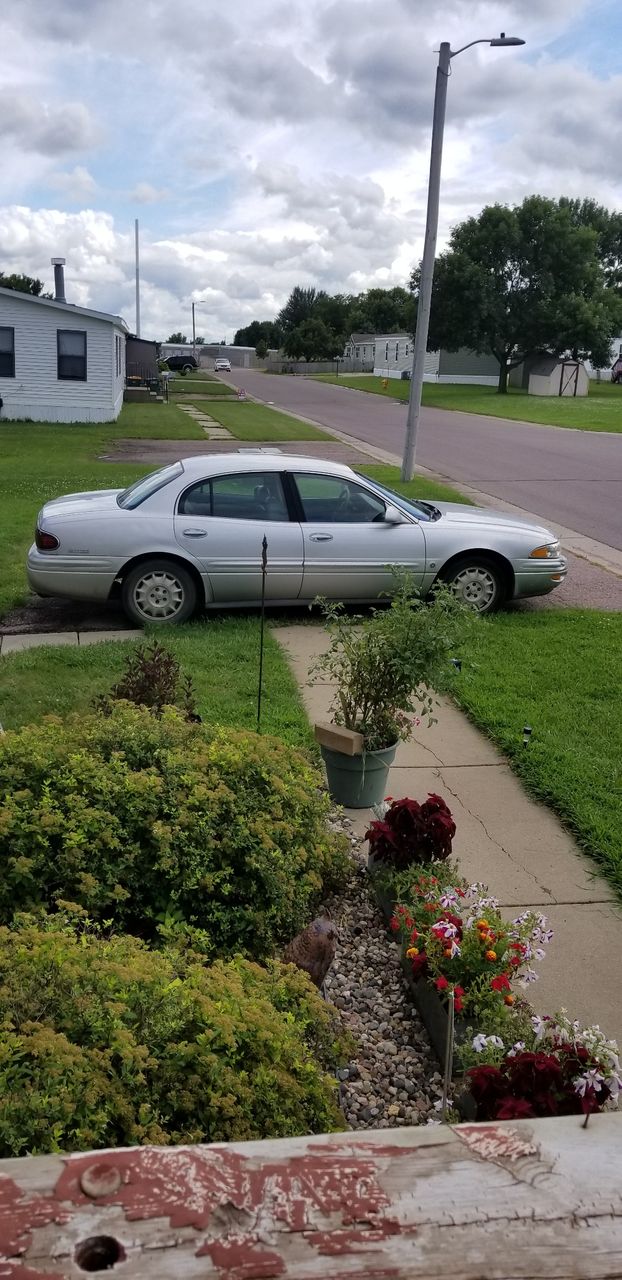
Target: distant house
[(141, 359), (59, 362), (390, 355)]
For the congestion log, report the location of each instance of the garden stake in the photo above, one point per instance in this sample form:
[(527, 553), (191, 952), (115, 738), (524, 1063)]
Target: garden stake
[(264, 566), (526, 735), (449, 1057)]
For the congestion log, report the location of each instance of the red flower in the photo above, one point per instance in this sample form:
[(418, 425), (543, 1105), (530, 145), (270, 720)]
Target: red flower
[(395, 924), (514, 1109), (500, 983), (441, 983), (414, 935), (458, 991), (420, 966)]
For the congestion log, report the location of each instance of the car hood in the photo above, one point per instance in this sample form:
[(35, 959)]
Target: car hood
[(76, 504), (457, 513)]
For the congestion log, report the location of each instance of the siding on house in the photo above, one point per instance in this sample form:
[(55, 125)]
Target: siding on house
[(36, 392), (466, 366)]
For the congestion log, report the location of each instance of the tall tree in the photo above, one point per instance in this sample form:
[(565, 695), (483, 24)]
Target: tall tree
[(515, 281), (300, 306), (608, 227), (313, 340), (257, 331), (178, 338), (23, 284)]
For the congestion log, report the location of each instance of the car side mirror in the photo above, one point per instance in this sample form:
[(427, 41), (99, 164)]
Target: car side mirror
[(393, 515)]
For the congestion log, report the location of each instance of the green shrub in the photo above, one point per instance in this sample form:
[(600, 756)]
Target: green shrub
[(137, 818), (152, 678), (106, 1043)]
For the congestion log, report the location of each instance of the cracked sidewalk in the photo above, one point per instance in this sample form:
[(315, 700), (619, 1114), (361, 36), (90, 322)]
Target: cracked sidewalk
[(511, 842)]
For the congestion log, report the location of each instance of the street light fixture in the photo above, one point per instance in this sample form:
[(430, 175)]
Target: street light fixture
[(198, 303), (446, 53)]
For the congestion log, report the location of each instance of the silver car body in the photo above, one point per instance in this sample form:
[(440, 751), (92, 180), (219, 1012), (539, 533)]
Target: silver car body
[(100, 541)]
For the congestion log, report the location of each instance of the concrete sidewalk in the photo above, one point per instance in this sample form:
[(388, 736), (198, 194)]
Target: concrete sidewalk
[(18, 644), (509, 841)]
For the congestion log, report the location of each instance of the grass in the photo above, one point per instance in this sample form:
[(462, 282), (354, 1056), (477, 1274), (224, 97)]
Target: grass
[(421, 487), (42, 460), (188, 387), (601, 410), (221, 655), (249, 421), (557, 672)]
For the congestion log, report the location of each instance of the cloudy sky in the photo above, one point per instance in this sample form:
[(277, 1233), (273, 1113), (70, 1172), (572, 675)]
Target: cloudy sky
[(265, 143)]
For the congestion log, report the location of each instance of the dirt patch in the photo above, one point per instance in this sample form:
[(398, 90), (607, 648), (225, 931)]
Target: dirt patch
[(38, 615), (154, 452)]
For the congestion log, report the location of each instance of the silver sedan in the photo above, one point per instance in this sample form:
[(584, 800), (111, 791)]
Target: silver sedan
[(190, 536)]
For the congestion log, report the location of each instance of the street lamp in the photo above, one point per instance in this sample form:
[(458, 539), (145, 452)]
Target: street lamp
[(198, 303), (446, 53)]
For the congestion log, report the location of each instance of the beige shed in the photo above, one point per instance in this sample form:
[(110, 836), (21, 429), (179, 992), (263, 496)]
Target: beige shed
[(544, 375)]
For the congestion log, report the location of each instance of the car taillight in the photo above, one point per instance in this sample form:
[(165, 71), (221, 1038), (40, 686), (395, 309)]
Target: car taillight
[(46, 541)]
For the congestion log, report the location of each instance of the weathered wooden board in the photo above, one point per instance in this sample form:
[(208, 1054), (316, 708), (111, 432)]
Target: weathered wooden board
[(530, 1200)]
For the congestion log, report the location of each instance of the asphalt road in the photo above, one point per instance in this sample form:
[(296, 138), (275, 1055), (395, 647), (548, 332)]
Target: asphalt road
[(570, 477)]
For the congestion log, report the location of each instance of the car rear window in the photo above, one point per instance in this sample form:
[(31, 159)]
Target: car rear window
[(143, 489)]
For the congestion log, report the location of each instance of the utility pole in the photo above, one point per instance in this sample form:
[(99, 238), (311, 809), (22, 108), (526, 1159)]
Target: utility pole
[(137, 278)]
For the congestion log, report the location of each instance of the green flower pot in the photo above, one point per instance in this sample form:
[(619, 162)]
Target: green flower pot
[(358, 782)]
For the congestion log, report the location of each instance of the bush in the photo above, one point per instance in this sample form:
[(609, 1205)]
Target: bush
[(137, 818), (106, 1043), (152, 678), (411, 832)]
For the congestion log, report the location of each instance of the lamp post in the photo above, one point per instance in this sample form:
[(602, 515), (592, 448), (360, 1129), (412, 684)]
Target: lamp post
[(446, 53), (198, 303)]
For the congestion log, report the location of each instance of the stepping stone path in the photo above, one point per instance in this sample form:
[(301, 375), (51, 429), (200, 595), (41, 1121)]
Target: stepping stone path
[(212, 429)]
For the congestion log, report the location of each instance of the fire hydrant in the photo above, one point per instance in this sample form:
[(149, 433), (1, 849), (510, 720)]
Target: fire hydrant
[(385, 383)]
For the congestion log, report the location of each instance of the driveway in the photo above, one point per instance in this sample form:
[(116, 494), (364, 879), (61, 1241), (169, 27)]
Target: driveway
[(573, 478)]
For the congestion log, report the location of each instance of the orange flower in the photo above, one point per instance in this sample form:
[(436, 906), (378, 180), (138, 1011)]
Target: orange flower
[(447, 953), (483, 924), (509, 999), (491, 955), (412, 951)]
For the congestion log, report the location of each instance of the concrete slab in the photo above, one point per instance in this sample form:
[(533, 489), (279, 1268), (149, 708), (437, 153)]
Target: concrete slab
[(504, 838), (17, 644), (582, 966), (101, 637)]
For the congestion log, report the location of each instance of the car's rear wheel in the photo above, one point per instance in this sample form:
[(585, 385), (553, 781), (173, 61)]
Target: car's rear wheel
[(158, 591), (478, 582)]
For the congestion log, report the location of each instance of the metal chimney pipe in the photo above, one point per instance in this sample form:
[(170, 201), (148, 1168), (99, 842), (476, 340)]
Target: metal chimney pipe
[(59, 279)]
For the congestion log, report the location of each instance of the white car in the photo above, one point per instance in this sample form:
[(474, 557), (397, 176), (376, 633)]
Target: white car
[(222, 366), (189, 537)]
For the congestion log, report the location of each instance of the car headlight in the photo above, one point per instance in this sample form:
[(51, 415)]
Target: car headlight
[(549, 551)]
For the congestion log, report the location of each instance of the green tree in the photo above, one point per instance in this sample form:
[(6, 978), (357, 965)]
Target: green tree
[(515, 281), (261, 350), (384, 311), (23, 284), (312, 340), (300, 306), (177, 337), (267, 331), (199, 340)]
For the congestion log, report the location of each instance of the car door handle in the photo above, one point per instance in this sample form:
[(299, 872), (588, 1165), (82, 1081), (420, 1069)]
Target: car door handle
[(195, 533), (320, 537)]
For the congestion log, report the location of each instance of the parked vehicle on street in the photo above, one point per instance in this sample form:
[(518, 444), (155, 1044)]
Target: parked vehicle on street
[(222, 366), (189, 537), (182, 364), (616, 372)]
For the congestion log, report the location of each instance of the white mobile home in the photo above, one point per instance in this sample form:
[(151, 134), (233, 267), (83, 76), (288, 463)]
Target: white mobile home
[(58, 362)]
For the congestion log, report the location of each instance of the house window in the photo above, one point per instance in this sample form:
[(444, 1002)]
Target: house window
[(71, 348), (386, 353), (358, 352), (118, 348), (397, 350), (7, 353)]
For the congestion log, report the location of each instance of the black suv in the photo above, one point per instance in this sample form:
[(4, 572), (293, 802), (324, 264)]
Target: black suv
[(183, 364)]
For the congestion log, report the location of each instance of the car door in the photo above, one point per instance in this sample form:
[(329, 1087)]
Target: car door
[(348, 545), (222, 522)]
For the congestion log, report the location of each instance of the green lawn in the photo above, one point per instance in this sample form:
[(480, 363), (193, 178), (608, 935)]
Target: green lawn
[(221, 655), (188, 387), (249, 421), (421, 487), (559, 673), (42, 460), (601, 410)]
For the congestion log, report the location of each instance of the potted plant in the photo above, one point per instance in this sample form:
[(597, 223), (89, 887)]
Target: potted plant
[(386, 668)]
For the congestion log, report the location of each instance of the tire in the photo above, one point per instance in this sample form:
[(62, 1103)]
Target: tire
[(187, 368), (159, 592), (478, 582)]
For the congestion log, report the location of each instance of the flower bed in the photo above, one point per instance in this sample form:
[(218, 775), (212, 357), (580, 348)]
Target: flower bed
[(458, 948)]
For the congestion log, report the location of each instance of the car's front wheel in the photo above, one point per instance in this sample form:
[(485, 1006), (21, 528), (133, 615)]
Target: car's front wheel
[(158, 591), (478, 582)]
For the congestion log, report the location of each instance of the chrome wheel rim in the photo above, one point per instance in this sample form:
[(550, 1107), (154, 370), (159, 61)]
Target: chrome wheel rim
[(159, 595), (476, 586)]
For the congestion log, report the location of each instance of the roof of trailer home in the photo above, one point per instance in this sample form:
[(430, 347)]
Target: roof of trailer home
[(69, 308)]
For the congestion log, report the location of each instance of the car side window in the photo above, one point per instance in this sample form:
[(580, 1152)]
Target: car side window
[(331, 500), (256, 495)]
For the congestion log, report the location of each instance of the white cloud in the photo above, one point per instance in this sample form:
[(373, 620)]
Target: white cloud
[(145, 193), (77, 184)]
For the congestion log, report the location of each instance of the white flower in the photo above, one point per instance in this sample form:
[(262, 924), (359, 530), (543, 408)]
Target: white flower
[(479, 1042), (448, 899), (539, 953), (591, 1079), (528, 976), (540, 1026), (516, 1048)]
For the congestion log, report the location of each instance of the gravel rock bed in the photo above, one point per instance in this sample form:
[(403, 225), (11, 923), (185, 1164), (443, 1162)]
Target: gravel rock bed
[(394, 1079)]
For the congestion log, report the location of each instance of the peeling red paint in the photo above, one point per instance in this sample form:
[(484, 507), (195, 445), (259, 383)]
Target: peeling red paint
[(20, 1215), (492, 1143), (242, 1258)]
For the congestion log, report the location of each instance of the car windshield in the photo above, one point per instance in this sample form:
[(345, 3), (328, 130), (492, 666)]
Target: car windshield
[(422, 510), (150, 484)]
